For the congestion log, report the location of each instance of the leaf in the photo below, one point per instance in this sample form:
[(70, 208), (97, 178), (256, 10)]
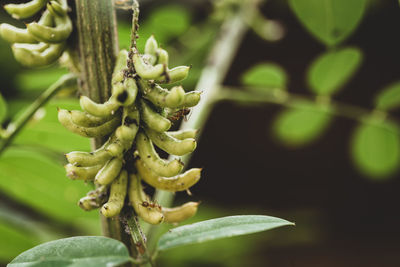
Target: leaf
[(265, 75), (330, 21), (375, 148), (39, 79), (389, 97), (85, 251), (3, 109), (332, 70), (302, 124), (218, 228)]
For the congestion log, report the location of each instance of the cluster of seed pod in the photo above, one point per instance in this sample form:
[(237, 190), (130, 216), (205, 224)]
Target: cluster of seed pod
[(40, 43), (133, 118)]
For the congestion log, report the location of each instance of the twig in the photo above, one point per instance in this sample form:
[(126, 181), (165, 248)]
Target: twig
[(14, 127), (134, 35)]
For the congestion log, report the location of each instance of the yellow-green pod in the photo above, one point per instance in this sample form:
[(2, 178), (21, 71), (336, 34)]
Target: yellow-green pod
[(109, 172), (59, 33), (162, 97), (86, 159), (126, 134), (174, 75), (184, 134), (120, 65), (162, 56), (128, 96), (181, 213), (170, 144), (82, 173), (151, 46), (177, 183), (58, 9), (13, 34), (150, 157), (191, 99), (93, 199), (25, 10), (117, 196), (100, 110), (29, 57), (87, 120), (152, 119), (147, 71), (147, 210), (64, 117)]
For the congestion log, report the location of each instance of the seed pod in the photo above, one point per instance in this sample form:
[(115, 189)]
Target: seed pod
[(151, 46), (181, 213), (184, 134), (82, 173), (58, 9), (85, 159), (87, 120), (191, 99), (109, 172), (147, 71), (126, 134), (152, 119), (117, 196), (100, 110), (174, 75), (148, 211), (57, 34), (163, 57), (13, 34), (25, 10), (177, 183), (120, 65), (93, 199), (170, 144), (128, 96), (162, 97), (30, 57), (150, 157)]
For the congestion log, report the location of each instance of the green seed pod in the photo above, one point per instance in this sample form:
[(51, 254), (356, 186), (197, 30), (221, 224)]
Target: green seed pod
[(174, 75), (25, 10), (181, 213), (117, 196), (13, 34), (152, 119), (120, 65), (57, 34), (58, 9), (126, 134), (170, 144), (147, 210), (147, 71), (177, 183), (100, 110), (150, 157), (86, 159), (191, 99), (162, 57), (109, 172), (151, 46), (46, 19), (30, 57), (128, 96), (64, 116), (87, 120), (184, 134), (82, 173), (94, 199), (162, 97)]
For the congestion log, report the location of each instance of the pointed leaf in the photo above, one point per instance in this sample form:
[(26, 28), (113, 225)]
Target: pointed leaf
[(81, 251), (376, 148), (218, 228), (330, 21), (3, 109), (265, 76), (389, 97), (302, 124), (330, 71)]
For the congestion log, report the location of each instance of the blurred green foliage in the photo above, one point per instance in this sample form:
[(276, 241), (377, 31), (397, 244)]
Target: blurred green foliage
[(265, 76)]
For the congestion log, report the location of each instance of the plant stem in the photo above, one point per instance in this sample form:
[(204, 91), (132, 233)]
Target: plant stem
[(14, 127)]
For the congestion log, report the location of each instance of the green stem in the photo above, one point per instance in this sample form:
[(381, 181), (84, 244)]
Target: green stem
[(16, 126)]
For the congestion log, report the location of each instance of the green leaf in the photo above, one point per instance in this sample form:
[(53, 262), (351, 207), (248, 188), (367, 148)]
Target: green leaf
[(330, 71), (39, 79), (218, 228), (389, 97), (330, 21), (3, 109), (376, 148), (85, 251), (302, 124), (265, 75)]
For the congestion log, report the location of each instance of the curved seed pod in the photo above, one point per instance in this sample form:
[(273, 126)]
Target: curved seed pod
[(120, 65), (148, 211), (147, 71), (177, 183), (163, 57), (25, 10), (100, 110), (13, 34), (151, 46), (150, 157), (152, 119), (126, 134), (181, 213), (87, 120), (162, 97), (29, 57), (184, 134), (128, 96), (93, 199), (58, 9), (174, 75), (117, 196), (82, 173), (57, 34), (109, 172), (46, 19), (86, 159), (170, 144), (191, 99), (64, 116)]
